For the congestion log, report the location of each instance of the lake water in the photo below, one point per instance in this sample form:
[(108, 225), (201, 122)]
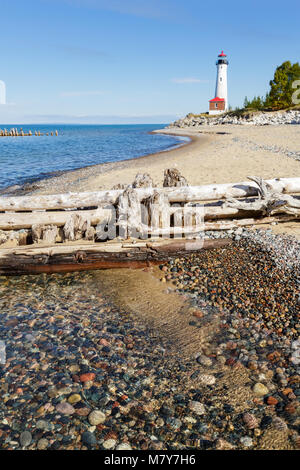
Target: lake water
[(28, 158)]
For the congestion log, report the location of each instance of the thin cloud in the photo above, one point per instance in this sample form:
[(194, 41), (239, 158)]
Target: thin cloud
[(188, 80), (66, 94), (98, 119), (79, 51), (156, 9)]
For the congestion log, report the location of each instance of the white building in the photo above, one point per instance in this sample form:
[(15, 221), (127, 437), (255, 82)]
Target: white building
[(219, 104)]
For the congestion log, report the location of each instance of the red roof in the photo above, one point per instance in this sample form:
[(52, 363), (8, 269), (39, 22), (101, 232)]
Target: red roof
[(222, 54), (217, 99)]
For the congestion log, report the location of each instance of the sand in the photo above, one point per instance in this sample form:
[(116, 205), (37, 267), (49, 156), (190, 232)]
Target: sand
[(217, 154)]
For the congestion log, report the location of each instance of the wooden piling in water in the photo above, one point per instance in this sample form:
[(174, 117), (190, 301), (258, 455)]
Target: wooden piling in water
[(14, 132)]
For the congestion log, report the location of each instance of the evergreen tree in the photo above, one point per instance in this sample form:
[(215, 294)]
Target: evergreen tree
[(280, 95), (256, 103), (246, 102)]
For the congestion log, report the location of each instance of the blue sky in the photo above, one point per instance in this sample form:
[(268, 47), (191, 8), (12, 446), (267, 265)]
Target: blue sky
[(127, 61)]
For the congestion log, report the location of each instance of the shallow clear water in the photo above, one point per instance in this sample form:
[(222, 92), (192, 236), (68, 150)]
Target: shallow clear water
[(28, 158)]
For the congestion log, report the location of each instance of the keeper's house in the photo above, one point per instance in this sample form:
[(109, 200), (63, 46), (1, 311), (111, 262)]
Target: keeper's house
[(216, 105)]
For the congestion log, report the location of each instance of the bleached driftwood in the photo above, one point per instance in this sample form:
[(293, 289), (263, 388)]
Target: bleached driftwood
[(142, 181), (210, 192), (19, 220), (103, 216), (44, 233), (173, 178), (140, 211), (190, 221), (76, 227), (129, 215), (269, 201)]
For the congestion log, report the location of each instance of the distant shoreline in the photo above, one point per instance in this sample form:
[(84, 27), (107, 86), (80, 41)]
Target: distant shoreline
[(80, 179), (30, 185)]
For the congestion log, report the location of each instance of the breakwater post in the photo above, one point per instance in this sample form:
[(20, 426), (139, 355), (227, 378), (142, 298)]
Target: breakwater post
[(14, 132)]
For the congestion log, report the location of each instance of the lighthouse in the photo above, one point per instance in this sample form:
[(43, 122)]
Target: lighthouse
[(219, 104)]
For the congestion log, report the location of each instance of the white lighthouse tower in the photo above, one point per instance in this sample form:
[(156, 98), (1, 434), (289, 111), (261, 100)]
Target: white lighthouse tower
[(219, 104)]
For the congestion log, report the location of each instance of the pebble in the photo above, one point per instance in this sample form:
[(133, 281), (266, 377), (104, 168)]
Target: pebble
[(246, 441), (124, 446), (204, 361), (89, 439), (272, 401), (45, 425), (205, 379), (25, 438), (65, 408), (109, 444), (197, 407), (279, 423), (75, 398), (96, 417), (42, 444), (260, 389), (89, 377)]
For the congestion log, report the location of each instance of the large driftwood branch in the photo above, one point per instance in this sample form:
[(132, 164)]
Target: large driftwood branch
[(269, 201), (103, 216), (210, 192)]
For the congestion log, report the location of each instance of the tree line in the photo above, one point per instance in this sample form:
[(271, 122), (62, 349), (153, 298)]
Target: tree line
[(281, 89)]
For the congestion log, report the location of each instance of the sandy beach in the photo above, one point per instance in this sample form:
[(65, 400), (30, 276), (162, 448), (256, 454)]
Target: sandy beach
[(217, 154)]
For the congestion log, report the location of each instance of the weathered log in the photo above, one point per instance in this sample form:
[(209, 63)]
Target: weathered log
[(182, 194), (269, 201), (129, 215), (44, 233), (13, 238), (142, 181), (173, 178), (103, 216), (19, 220), (220, 225), (158, 209), (77, 226), (63, 258)]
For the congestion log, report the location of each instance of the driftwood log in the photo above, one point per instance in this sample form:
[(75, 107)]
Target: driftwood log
[(64, 258), (212, 192), (269, 201), (141, 211), (173, 178)]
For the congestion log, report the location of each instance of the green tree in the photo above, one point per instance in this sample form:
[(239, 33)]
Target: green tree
[(281, 90), (256, 103)]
